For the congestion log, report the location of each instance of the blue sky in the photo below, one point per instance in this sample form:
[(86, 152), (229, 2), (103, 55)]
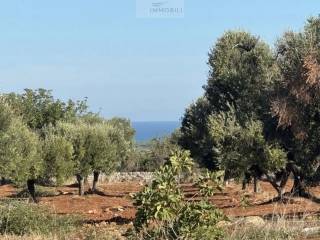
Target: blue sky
[(141, 68)]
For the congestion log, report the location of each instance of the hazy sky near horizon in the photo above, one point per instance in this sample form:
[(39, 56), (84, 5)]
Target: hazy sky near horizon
[(140, 68)]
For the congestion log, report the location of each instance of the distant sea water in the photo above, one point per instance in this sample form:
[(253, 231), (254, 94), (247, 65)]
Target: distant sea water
[(146, 131)]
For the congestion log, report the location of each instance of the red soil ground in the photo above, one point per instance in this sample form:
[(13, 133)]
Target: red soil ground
[(117, 206)]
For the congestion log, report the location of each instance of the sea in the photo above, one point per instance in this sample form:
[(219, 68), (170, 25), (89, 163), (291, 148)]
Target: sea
[(146, 131)]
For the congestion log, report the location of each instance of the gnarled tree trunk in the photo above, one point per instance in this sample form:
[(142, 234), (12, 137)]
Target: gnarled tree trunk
[(95, 180), (245, 180), (3, 181), (299, 188), (32, 189), (80, 181), (256, 185), (279, 181), (278, 188)]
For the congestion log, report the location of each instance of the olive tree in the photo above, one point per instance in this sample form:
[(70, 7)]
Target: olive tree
[(108, 144), (57, 154), (243, 149), (296, 102), (195, 135), (274, 95), (126, 130), (241, 75), (39, 110), (77, 135), (123, 125), (20, 158), (105, 148), (97, 148)]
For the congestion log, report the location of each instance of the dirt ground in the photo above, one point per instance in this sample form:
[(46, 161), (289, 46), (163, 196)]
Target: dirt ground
[(116, 204)]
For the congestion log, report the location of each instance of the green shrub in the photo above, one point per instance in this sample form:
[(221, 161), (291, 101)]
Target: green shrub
[(21, 218), (163, 213), (197, 221)]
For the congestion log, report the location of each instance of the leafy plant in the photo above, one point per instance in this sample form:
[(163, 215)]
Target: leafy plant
[(163, 198), (162, 211), (210, 182), (244, 201)]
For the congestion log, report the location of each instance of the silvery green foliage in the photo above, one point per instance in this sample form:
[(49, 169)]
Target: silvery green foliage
[(19, 148), (76, 134), (57, 154), (99, 146), (106, 147), (242, 72), (38, 108), (240, 147)]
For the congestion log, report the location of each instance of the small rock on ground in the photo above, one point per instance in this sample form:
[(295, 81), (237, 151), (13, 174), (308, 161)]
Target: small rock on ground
[(254, 221)]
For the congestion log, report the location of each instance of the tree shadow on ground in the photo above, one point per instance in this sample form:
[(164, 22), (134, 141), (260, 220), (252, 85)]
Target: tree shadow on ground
[(288, 198), (119, 220)]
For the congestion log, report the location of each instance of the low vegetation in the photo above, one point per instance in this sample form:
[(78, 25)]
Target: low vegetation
[(20, 218), (162, 212)]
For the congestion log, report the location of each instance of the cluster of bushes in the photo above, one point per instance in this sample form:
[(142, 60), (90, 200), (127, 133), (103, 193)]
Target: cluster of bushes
[(44, 139)]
